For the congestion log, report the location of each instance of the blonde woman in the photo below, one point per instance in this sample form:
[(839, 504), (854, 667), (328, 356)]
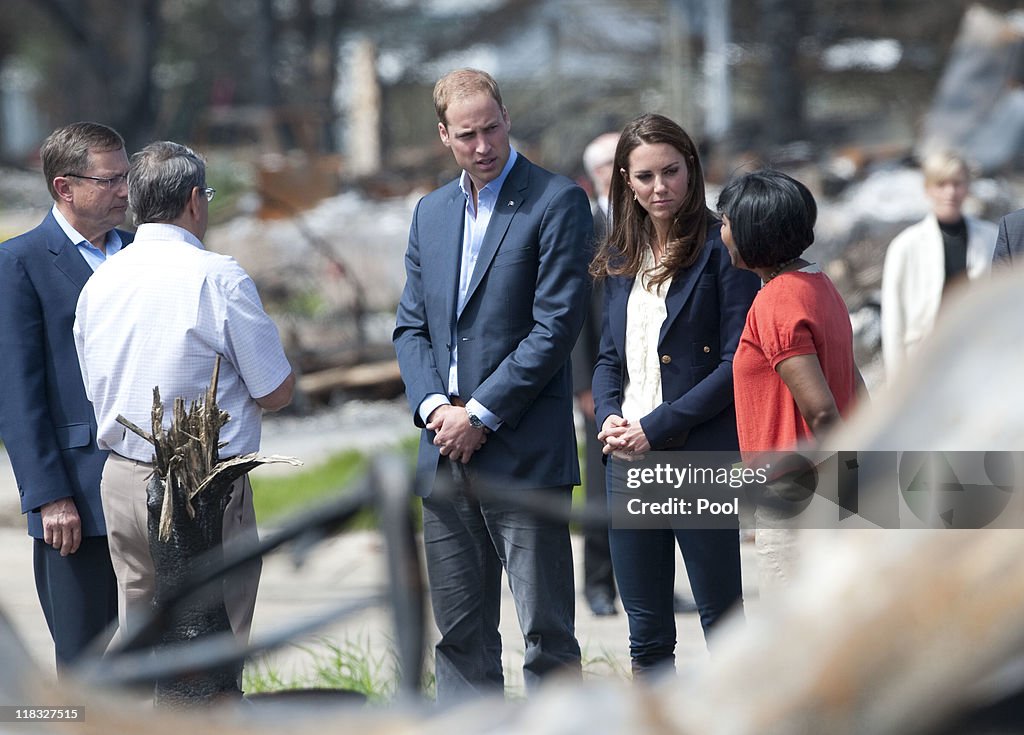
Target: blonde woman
[(929, 257)]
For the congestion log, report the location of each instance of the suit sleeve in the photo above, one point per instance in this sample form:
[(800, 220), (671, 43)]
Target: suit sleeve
[(559, 306), (674, 418), (411, 337), (25, 424), (584, 353)]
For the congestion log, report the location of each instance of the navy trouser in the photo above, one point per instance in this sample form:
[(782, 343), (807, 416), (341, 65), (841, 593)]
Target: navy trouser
[(78, 594), (598, 579), (644, 562), (468, 543)]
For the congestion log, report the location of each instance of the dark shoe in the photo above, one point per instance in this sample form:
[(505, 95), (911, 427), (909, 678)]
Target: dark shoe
[(602, 604), (682, 604)]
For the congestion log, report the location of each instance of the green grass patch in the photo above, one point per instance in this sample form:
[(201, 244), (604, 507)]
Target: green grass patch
[(350, 665), (605, 665), (280, 495), (277, 495), (354, 666)]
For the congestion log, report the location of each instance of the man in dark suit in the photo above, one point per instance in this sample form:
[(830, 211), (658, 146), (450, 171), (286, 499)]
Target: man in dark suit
[(46, 422), (1010, 240), (494, 299), (598, 579)]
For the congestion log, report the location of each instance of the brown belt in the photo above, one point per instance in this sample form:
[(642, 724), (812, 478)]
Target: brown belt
[(456, 401)]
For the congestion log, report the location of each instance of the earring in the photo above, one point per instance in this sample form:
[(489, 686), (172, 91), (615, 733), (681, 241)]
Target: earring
[(634, 197)]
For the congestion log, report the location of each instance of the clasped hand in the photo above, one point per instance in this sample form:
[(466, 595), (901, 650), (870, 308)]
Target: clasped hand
[(62, 526), (623, 439), (457, 438)]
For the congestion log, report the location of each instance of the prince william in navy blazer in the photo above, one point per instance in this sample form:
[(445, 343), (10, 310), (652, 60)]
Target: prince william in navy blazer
[(495, 297)]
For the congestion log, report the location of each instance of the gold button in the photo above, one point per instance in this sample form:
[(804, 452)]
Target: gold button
[(666, 359), (706, 349)]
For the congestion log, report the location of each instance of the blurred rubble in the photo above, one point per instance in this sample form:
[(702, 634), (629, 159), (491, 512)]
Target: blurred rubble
[(331, 275)]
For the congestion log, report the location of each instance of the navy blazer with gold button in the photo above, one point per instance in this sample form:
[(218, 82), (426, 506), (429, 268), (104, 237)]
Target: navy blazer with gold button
[(707, 306)]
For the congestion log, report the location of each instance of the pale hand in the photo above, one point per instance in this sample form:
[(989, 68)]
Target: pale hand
[(62, 526), (454, 435), (623, 439)]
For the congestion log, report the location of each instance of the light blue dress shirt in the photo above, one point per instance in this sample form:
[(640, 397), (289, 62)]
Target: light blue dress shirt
[(93, 256)]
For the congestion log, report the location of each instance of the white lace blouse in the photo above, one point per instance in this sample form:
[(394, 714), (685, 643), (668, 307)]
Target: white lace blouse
[(645, 313)]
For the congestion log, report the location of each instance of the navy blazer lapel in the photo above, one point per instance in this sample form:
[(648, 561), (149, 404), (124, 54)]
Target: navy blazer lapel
[(510, 198), (618, 289), (67, 259), (450, 255), (682, 286)]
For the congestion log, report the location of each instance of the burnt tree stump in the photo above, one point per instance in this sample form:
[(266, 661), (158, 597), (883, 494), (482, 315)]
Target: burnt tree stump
[(186, 498)]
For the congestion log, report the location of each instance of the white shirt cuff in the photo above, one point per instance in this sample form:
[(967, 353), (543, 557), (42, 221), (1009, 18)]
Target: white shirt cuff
[(432, 401)]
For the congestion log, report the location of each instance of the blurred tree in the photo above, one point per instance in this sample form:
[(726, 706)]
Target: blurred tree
[(106, 61), (227, 71), (307, 47), (151, 68), (276, 77), (784, 24), (7, 31)]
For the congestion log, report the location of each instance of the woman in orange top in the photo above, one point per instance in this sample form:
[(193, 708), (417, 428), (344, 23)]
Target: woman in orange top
[(794, 373)]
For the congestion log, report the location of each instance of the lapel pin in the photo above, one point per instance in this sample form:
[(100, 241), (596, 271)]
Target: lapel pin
[(511, 203)]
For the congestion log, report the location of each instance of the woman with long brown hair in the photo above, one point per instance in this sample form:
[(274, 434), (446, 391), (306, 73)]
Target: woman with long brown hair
[(674, 311)]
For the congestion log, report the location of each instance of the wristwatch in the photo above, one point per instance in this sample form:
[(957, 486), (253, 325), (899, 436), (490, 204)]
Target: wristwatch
[(474, 420)]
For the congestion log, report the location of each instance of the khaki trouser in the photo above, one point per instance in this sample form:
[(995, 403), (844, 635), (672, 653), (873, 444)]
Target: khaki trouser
[(123, 494)]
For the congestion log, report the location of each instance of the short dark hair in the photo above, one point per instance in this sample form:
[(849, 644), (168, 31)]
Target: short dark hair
[(771, 216), (161, 179), (66, 150)]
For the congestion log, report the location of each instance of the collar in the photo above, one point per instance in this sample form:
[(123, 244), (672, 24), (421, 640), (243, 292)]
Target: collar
[(492, 188), (74, 235), (164, 231)]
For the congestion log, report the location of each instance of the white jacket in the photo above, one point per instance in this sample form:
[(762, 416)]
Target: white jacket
[(913, 279)]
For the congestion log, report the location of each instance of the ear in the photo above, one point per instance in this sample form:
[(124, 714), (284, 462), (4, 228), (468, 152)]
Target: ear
[(506, 118), (63, 188), (442, 130), (195, 202)]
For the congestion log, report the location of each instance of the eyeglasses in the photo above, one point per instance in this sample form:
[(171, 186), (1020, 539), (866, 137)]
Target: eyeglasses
[(209, 192), (111, 183)]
